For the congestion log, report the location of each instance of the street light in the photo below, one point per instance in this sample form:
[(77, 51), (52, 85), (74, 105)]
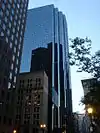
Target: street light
[(90, 110), (14, 131), (43, 127)]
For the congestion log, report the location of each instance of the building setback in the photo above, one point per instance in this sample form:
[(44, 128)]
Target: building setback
[(32, 102), (12, 27)]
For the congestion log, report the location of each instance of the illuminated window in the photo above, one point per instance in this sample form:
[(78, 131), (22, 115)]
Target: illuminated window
[(15, 79), (9, 85), (13, 57), (10, 44), (10, 75), (14, 49), (12, 66)]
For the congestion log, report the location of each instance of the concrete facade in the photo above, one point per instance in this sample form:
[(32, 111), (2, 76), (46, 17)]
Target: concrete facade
[(32, 102)]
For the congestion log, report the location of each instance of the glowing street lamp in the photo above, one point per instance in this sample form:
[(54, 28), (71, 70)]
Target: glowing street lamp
[(90, 110), (43, 127), (14, 131)]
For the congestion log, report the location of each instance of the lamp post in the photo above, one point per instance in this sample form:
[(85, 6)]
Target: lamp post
[(43, 126), (90, 112)]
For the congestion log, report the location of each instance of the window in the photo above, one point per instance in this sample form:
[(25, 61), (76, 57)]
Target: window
[(21, 35), (10, 44), (17, 61), (18, 5), (7, 39), (14, 49), (18, 54), (19, 46), (38, 96), (2, 34), (15, 23), (16, 41), (4, 27), (7, 12), (12, 37), (8, 32), (10, 75), (3, 6), (37, 109), (12, 66), (14, 5), (4, 120), (37, 123), (16, 17), (37, 116), (34, 116), (15, 79), (12, 11), (19, 22), (9, 85), (11, 18), (9, 6), (9, 25), (13, 30), (10, 121), (17, 34), (17, 11), (16, 69), (13, 57), (18, 28), (1, 13), (6, 19)]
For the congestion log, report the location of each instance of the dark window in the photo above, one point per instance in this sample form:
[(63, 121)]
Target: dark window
[(37, 123), (37, 116), (2, 93), (34, 116), (4, 120), (37, 109), (10, 121)]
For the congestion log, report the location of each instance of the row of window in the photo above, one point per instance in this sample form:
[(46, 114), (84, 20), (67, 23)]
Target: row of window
[(36, 117), (6, 120), (38, 83), (30, 80)]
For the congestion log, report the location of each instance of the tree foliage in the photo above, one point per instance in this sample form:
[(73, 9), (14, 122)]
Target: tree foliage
[(80, 56)]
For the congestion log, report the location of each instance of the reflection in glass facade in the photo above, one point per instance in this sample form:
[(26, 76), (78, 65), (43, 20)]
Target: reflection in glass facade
[(47, 25)]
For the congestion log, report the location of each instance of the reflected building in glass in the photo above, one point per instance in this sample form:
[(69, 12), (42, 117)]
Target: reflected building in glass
[(46, 34)]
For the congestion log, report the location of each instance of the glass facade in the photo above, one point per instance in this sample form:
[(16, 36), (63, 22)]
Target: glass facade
[(12, 26), (47, 25)]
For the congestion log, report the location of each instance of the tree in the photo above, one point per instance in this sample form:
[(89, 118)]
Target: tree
[(80, 53), (80, 56)]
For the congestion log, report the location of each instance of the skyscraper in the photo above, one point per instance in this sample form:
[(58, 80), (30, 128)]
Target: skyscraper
[(12, 27), (46, 25)]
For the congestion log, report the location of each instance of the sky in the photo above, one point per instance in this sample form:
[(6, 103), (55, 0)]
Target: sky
[(83, 18)]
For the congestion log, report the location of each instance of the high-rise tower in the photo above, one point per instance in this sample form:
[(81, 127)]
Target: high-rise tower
[(46, 25), (12, 27)]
